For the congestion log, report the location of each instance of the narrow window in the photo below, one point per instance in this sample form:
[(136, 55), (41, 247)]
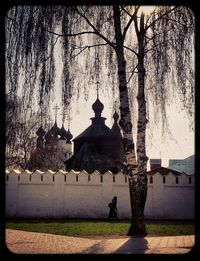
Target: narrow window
[(101, 178), (65, 178), (53, 178), (125, 179), (151, 179), (41, 177), (190, 180), (7, 177), (176, 180), (164, 180), (113, 178), (18, 177), (76, 178), (88, 177)]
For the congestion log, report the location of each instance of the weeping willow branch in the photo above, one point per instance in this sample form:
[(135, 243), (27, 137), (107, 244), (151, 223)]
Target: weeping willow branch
[(94, 28), (159, 18)]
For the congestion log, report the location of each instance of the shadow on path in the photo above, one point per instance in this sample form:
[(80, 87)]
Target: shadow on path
[(134, 245), (97, 248)]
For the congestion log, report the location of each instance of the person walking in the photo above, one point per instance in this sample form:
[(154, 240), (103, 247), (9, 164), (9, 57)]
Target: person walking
[(113, 209)]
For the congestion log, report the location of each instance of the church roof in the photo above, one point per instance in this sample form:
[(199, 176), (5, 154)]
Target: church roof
[(83, 160), (96, 130), (163, 171)]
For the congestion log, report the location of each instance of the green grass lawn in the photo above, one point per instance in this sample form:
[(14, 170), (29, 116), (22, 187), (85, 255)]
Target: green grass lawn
[(97, 228)]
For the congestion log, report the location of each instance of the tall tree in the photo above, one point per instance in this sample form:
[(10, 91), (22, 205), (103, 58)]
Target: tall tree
[(109, 32)]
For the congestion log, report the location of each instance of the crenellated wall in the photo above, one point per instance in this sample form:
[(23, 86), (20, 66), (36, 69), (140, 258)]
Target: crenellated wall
[(82, 195)]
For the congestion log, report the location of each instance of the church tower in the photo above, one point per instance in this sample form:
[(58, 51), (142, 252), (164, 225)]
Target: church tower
[(52, 148), (98, 147)]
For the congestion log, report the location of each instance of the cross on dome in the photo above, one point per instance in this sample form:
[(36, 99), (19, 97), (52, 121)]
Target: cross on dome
[(56, 108), (69, 118), (63, 114), (97, 83)]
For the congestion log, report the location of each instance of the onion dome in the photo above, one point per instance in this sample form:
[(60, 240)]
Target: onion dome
[(115, 128), (97, 107), (40, 132), (55, 130), (69, 136), (62, 133)]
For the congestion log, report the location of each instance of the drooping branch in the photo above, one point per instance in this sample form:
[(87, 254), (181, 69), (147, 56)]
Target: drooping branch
[(159, 18)]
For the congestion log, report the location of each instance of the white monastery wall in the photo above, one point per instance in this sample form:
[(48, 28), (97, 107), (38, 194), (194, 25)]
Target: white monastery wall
[(82, 195)]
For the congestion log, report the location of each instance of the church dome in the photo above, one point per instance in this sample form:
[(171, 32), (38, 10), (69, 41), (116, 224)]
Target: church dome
[(55, 130), (115, 128), (62, 133), (68, 136), (40, 132), (97, 106)]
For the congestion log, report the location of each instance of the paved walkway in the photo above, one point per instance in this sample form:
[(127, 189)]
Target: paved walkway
[(31, 243)]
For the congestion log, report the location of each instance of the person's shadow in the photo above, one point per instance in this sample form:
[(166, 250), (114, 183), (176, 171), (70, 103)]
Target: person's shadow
[(135, 245)]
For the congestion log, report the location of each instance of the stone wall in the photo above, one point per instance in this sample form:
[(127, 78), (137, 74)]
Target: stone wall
[(82, 195)]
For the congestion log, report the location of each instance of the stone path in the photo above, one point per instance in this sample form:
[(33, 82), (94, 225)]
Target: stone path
[(31, 243)]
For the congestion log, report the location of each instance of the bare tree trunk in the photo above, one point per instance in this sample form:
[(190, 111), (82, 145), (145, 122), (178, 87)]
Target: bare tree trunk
[(141, 185), (135, 180)]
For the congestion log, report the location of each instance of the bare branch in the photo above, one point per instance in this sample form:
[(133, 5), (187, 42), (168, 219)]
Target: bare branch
[(128, 25), (128, 48), (126, 11), (94, 28), (65, 35), (83, 48), (131, 74)]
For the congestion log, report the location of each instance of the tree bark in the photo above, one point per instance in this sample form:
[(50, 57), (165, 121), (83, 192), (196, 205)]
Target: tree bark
[(141, 185), (137, 183)]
